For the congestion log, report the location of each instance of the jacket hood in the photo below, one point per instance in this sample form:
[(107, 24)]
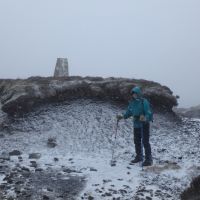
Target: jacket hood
[(137, 90)]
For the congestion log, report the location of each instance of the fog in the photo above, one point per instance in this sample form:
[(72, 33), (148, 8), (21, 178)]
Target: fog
[(154, 40)]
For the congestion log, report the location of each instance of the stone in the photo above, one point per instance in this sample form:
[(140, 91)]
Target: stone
[(34, 156), (25, 173), (49, 189), (8, 179), (11, 198), (39, 170), (25, 169), (18, 189), (19, 182), (56, 159), (67, 170), (33, 164), (122, 191), (61, 69), (107, 194), (193, 190), (51, 142), (93, 169), (106, 181), (45, 197), (148, 198), (15, 153)]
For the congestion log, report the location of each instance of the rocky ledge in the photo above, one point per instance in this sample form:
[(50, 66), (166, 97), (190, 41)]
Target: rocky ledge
[(193, 112), (21, 95)]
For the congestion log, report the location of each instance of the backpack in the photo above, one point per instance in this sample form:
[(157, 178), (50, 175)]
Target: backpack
[(150, 111)]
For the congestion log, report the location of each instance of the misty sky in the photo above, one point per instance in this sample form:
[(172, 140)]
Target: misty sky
[(153, 39)]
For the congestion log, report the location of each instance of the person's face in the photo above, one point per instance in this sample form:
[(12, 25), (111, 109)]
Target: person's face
[(134, 95)]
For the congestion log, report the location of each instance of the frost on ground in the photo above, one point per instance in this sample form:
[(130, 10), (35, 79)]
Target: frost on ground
[(64, 152)]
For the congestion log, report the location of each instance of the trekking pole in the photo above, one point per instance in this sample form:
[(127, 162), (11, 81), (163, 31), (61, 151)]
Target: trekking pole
[(142, 145), (113, 161)]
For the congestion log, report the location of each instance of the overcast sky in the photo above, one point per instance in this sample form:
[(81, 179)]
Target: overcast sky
[(151, 39)]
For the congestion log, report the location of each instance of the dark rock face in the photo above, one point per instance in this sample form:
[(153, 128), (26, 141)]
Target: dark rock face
[(193, 192), (21, 95)]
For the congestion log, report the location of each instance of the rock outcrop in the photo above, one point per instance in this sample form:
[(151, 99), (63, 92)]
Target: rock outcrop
[(193, 112), (193, 192), (21, 95)]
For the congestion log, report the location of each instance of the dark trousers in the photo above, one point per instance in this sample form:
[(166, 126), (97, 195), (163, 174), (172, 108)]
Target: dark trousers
[(138, 141)]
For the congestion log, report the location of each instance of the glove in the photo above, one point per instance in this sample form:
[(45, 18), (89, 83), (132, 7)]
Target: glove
[(119, 117), (142, 118)]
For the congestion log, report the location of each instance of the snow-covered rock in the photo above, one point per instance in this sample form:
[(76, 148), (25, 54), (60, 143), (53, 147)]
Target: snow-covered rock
[(193, 112), (23, 94)]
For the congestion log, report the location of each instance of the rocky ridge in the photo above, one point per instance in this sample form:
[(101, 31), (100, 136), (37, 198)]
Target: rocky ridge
[(21, 95), (193, 112)]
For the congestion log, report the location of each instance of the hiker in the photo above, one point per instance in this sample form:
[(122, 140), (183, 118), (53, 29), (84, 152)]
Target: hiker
[(139, 108)]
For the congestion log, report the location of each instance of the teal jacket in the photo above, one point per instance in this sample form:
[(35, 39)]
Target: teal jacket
[(137, 107)]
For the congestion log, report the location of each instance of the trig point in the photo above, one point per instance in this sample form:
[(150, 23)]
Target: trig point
[(61, 69)]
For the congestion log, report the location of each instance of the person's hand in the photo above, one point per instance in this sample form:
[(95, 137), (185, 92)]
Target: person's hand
[(142, 118), (119, 117)]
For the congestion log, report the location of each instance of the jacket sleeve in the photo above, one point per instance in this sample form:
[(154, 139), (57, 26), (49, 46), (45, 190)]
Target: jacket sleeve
[(128, 113), (146, 109)]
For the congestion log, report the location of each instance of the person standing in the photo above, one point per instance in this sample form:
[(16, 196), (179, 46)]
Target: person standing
[(139, 108)]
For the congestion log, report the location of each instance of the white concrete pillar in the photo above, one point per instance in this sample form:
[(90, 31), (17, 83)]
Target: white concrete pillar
[(61, 69)]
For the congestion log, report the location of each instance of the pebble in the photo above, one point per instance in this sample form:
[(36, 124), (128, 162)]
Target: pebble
[(93, 169), (56, 159), (38, 170), (15, 153), (90, 197), (34, 156), (45, 197), (25, 169)]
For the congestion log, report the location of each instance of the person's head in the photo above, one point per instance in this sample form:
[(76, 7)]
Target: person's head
[(136, 92)]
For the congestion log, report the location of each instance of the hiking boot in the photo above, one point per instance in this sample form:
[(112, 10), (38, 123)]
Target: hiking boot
[(136, 160), (147, 162)]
